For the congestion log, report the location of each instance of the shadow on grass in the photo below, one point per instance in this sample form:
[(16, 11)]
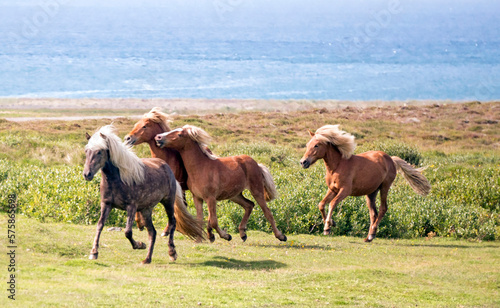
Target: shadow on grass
[(298, 246), (231, 263)]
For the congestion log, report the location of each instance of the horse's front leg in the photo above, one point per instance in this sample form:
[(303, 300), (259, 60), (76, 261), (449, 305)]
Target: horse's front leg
[(341, 195), (105, 210), (327, 199), (213, 223), (146, 213), (198, 204), (131, 210)]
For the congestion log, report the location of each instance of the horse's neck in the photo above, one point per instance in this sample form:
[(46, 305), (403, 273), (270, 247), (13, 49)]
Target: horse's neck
[(156, 151), (193, 156), (110, 172), (332, 159)]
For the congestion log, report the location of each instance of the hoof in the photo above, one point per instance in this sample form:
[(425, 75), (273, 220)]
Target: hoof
[(283, 239), (145, 261), (369, 238), (141, 228), (165, 234), (244, 238), (211, 238), (93, 256), (140, 245), (326, 232), (173, 256), (228, 237)]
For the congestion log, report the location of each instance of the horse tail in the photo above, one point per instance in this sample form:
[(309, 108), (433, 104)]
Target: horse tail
[(270, 192), (413, 176), (185, 222)]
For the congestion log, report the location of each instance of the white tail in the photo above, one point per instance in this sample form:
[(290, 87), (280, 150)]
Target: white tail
[(270, 188), (186, 223), (413, 176)]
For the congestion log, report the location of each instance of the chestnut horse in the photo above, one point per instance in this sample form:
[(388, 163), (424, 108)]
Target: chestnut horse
[(357, 175), (211, 178), (135, 185), (144, 131)]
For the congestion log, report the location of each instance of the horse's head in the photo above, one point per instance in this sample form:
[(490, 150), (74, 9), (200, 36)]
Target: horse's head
[(144, 130), (315, 150), (174, 139), (95, 158)]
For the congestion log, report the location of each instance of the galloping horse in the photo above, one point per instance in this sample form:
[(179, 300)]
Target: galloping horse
[(357, 175), (135, 185), (211, 178), (153, 123)]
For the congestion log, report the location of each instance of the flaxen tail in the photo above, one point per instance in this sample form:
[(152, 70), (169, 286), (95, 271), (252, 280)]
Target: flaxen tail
[(413, 176), (186, 223), (270, 192)]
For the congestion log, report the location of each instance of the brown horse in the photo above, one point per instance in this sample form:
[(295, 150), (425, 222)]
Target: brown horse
[(144, 131), (357, 175), (211, 178), (135, 185)]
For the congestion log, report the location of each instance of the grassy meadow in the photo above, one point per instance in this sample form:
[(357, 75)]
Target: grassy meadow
[(307, 271), (440, 250)]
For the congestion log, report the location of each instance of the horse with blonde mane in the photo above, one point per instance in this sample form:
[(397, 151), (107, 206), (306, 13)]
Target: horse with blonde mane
[(211, 178), (357, 175), (144, 131), (133, 184)]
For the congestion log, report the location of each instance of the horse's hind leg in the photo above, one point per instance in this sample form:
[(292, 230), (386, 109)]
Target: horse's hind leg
[(371, 203), (168, 204), (384, 191), (213, 223), (146, 213), (131, 210), (140, 221), (259, 197), (248, 207), (105, 210)]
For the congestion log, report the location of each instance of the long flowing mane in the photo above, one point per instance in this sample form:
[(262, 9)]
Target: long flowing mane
[(339, 138), (159, 117), (131, 167), (201, 137)]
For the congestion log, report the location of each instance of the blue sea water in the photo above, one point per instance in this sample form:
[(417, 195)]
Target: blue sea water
[(346, 50)]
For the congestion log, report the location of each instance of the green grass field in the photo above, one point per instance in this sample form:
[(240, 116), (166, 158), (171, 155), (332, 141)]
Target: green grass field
[(307, 271), (441, 250)]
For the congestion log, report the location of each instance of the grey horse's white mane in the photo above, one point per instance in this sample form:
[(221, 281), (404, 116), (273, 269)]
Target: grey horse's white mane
[(131, 167)]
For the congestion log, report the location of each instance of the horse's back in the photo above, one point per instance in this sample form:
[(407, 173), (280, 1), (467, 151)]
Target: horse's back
[(371, 169), (158, 169)]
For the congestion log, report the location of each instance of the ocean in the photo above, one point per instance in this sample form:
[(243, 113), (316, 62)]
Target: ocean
[(345, 50)]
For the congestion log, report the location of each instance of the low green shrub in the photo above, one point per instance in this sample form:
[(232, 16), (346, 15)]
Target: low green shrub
[(464, 201)]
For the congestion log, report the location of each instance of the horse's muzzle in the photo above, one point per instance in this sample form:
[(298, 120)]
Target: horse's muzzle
[(160, 141), (129, 140), (305, 163), (88, 175)]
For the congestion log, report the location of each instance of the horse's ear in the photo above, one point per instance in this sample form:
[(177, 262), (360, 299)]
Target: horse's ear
[(87, 136), (310, 133), (103, 136)]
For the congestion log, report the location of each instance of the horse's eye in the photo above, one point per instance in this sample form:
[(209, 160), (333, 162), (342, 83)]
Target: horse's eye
[(316, 145), (144, 127)]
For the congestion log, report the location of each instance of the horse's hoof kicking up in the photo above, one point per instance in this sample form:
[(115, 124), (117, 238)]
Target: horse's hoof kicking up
[(244, 238)]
